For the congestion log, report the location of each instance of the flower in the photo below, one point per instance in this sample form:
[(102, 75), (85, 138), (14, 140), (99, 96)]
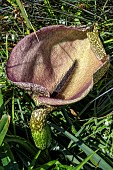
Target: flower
[(58, 64)]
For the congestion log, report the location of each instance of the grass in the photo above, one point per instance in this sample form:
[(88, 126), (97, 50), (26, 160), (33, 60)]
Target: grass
[(80, 141)]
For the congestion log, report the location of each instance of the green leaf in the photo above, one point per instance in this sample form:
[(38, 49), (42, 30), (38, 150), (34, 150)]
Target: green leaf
[(4, 124), (22, 142), (2, 168)]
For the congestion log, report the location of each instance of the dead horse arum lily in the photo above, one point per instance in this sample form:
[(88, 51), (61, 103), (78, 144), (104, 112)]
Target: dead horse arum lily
[(57, 65)]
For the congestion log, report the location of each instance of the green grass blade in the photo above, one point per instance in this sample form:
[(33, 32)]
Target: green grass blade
[(96, 159), (49, 8), (7, 45), (46, 165), (24, 14), (12, 2), (13, 114), (78, 167), (34, 160), (1, 98)]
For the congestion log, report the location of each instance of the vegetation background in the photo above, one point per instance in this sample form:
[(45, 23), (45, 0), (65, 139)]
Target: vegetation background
[(82, 133)]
